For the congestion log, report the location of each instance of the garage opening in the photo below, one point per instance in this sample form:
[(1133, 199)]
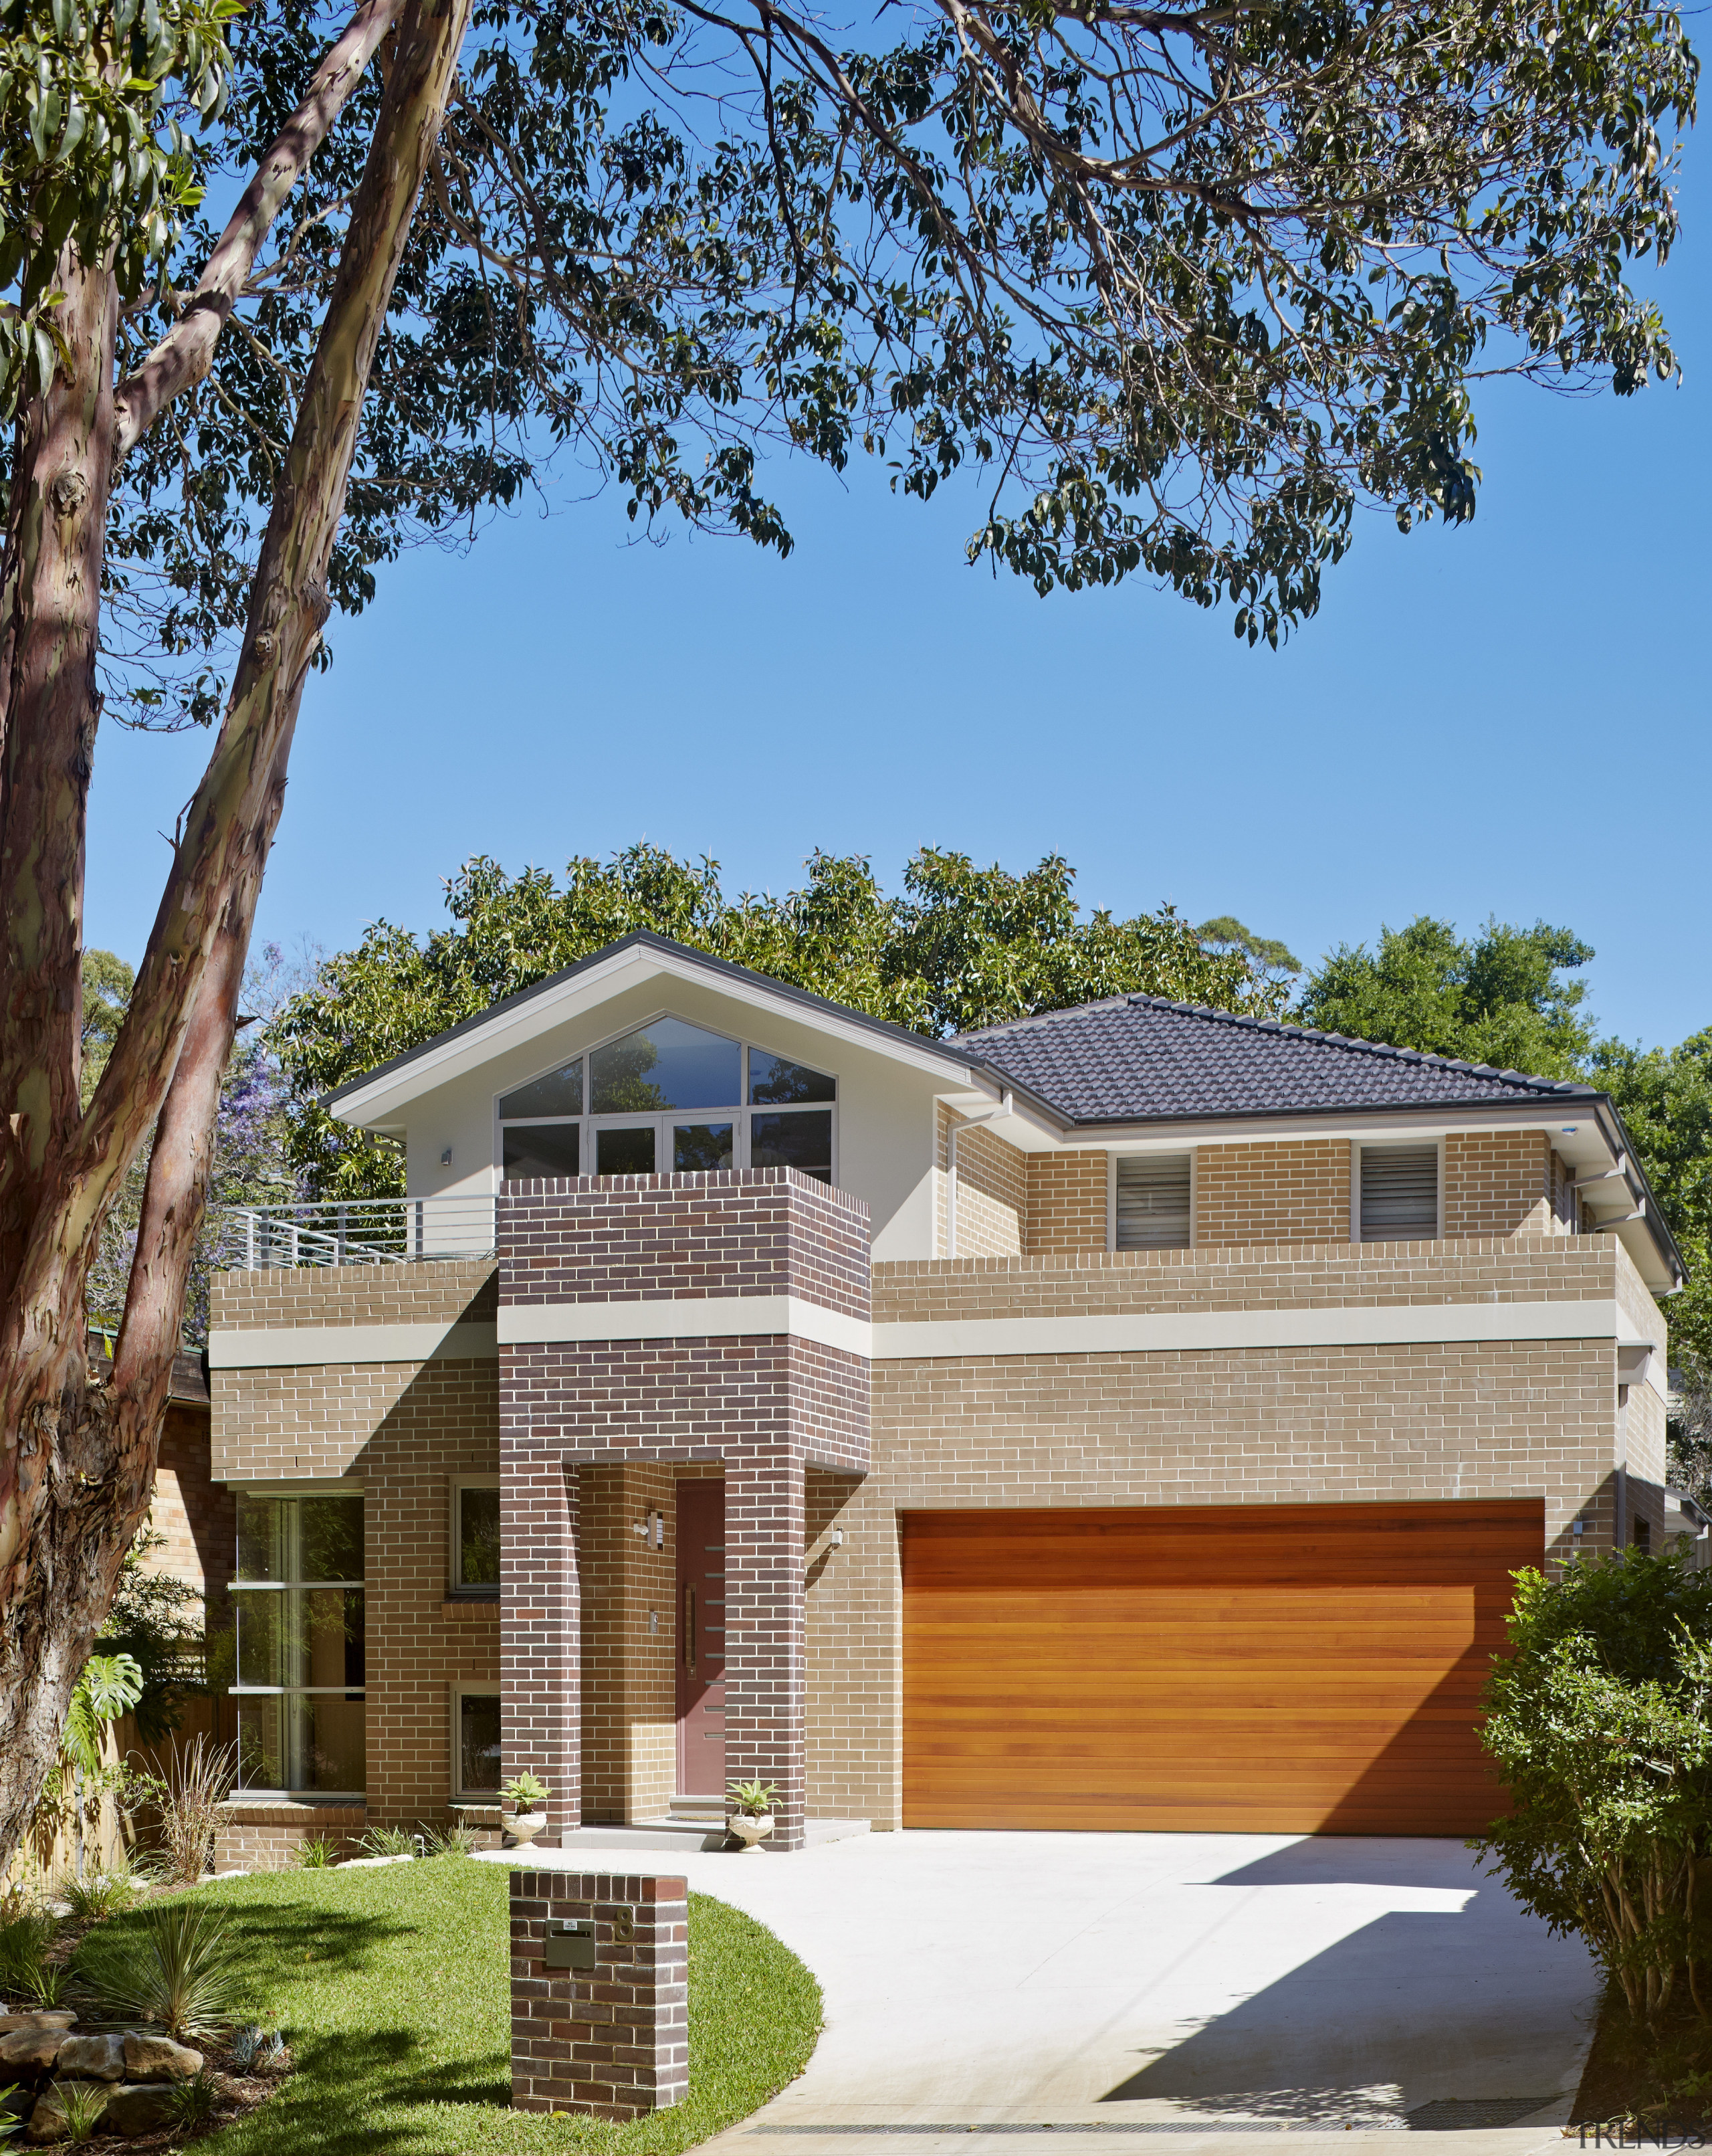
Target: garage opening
[(1283, 1669)]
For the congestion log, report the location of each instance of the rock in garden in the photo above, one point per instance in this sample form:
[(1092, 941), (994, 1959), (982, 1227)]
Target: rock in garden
[(100, 2057), (159, 2059), (139, 2110), (30, 2051), (48, 2120), (37, 2017)]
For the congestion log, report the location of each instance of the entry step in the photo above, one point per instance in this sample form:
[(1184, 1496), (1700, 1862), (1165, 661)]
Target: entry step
[(687, 1837)]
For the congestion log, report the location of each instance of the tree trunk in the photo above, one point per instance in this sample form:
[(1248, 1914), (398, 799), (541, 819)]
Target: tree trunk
[(81, 1458)]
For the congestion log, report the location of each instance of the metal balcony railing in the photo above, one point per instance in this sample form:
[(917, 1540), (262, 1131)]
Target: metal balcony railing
[(371, 1231)]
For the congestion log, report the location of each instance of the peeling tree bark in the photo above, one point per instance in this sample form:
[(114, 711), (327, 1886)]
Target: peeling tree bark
[(79, 1460)]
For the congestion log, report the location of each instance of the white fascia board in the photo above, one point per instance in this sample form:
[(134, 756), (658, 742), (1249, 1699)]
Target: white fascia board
[(384, 1101)]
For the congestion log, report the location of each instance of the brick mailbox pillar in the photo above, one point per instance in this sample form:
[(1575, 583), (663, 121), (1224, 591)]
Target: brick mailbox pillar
[(600, 1977)]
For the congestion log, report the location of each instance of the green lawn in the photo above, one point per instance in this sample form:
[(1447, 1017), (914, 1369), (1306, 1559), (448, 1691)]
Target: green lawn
[(392, 1987)]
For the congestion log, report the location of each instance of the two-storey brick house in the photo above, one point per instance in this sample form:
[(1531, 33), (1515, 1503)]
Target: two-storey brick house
[(1130, 1417)]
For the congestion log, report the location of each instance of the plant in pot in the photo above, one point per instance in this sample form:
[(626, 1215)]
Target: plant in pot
[(526, 1796), (751, 1816)]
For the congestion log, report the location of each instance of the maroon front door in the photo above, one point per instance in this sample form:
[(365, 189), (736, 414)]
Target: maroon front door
[(701, 1639)]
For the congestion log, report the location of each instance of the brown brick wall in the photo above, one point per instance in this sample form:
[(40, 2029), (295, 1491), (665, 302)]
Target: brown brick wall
[(749, 1231), (1497, 1182), (1293, 1193), (629, 1698), (612, 2041), (1067, 1203), (267, 1837)]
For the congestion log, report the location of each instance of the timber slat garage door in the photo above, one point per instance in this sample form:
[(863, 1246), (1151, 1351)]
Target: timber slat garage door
[(1283, 1669)]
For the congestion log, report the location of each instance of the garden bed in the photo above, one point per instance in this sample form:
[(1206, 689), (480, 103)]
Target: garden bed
[(1652, 2077)]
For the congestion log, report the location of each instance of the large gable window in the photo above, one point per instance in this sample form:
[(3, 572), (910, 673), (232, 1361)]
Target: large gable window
[(1399, 1196), (669, 1099)]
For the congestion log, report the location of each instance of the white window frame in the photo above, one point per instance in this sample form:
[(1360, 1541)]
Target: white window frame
[(260, 1793), (737, 1113), (461, 1689), (1356, 1146), (456, 1591), (1111, 1194)]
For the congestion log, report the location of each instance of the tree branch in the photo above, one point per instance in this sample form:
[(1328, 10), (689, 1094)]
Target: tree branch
[(187, 351)]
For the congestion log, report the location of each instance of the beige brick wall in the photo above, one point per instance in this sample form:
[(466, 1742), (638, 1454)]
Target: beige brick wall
[(1497, 1182), (992, 1192), (1293, 1192), (1067, 1202), (629, 1706), (420, 1641)]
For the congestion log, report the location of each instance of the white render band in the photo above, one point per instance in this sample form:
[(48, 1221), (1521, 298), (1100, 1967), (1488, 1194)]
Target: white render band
[(1139, 1333)]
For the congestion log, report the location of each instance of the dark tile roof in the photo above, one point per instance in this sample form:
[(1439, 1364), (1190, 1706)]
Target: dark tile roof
[(1139, 1058)]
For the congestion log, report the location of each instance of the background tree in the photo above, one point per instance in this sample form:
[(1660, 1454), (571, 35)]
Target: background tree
[(1181, 285), (1225, 932), (1499, 996), (959, 946)]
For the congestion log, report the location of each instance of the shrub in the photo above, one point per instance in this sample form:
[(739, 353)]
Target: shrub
[(318, 1853), (24, 1944), (193, 2103), (388, 1841), (189, 1800), (81, 2107), (1601, 1721), (99, 1894), (455, 1840), (181, 1969), (525, 1791)]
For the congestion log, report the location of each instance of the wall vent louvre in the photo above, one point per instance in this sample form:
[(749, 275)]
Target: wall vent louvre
[(1399, 1194), (1153, 1201)]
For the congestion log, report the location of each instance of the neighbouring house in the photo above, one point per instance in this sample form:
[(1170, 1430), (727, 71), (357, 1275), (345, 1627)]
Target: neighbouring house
[(1127, 1418)]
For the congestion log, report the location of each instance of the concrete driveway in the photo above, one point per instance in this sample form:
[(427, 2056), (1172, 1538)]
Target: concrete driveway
[(1212, 1985)]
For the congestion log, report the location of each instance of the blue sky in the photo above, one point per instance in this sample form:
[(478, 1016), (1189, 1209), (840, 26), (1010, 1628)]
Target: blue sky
[(1508, 718)]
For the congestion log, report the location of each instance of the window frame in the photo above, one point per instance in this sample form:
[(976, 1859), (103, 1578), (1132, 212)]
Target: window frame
[(264, 1792), (458, 1691), (1391, 1144), (1111, 1194), (738, 1113), (456, 1588)]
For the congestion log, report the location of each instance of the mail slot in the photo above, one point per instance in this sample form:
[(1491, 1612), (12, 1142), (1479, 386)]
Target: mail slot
[(570, 1943)]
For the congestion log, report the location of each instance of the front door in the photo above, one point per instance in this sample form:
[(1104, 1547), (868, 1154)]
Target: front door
[(701, 1639)]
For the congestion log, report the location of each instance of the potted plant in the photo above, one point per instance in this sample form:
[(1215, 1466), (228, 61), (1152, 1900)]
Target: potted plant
[(526, 1795), (751, 1812)]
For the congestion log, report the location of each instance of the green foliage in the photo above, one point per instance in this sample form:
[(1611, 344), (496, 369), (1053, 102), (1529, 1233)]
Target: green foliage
[(525, 1791), (107, 983), (757, 1797), (388, 1841), (455, 1840), (194, 2103), (1225, 932), (961, 947), (110, 1686), (99, 1894), (11, 2121), (156, 1622), (395, 1988), (1498, 998), (1600, 1719), (316, 1852), (179, 1965), (94, 104), (1665, 1095), (82, 2104), (24, 1940)]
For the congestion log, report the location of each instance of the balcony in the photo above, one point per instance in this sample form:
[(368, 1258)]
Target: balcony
[(371, 1231)]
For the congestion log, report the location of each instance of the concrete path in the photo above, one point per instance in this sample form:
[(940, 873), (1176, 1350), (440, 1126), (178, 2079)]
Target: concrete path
[(1225, 1988)]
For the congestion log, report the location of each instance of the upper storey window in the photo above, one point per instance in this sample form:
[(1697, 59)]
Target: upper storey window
[(1399, 1196), (1152, 1201), (670, 1099)]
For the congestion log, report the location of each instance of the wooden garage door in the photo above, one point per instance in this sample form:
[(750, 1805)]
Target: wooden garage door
[(1281, 1669)]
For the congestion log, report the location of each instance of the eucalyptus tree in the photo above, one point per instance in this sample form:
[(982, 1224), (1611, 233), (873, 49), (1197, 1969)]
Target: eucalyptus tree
[(1176, 286)]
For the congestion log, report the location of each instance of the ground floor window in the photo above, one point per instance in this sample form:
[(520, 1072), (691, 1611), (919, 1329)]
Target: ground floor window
[(299, 1603), (475, 1740)]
